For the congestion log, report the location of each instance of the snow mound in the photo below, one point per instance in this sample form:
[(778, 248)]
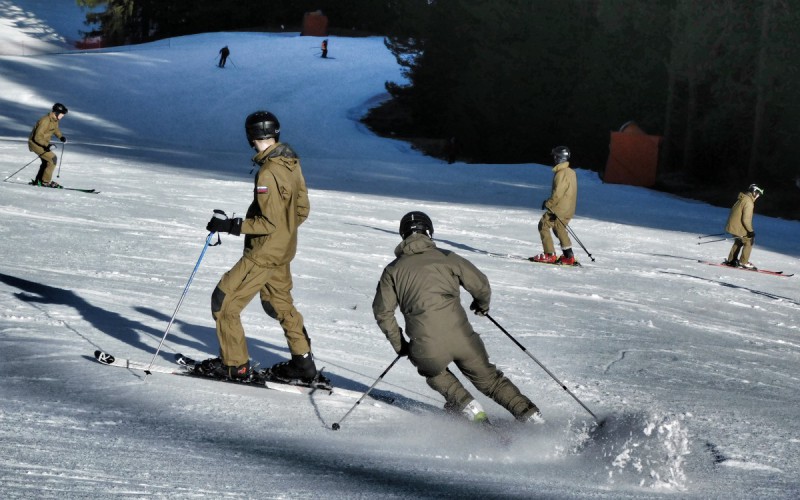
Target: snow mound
[(642, 449)]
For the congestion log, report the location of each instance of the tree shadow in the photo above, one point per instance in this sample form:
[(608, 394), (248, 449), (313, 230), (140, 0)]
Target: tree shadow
[(110, 323)]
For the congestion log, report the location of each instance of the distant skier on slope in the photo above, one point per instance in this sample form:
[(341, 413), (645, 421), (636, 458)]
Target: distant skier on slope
[(740, 225), (224, 52), (280, 205), (325, 49), (424, 282), (560, 209), (39, 143)]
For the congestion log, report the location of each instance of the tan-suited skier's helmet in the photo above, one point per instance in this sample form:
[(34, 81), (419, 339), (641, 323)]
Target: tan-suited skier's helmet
[(560, 154), (262, 125)]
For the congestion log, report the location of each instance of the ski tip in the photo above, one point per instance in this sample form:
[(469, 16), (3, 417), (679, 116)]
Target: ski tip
[(104, 358)]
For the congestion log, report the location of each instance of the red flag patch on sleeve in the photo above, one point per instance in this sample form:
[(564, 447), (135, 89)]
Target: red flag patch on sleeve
[(261, 189)]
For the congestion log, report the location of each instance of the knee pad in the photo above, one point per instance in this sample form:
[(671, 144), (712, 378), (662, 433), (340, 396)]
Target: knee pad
[(271, 312), (216, 301)]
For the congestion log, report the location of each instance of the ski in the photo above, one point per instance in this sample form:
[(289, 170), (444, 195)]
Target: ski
[(762, 271), (576, 264), (108, 359), (185, 366), (530, 259), (82, 190), (264, 377)]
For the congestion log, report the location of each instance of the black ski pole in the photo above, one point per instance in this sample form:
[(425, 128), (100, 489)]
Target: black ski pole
[(63, 148), (183, 296), (711, 241), (544, 368), (337, 425), (711, 235), (23, 168), (571, 232)]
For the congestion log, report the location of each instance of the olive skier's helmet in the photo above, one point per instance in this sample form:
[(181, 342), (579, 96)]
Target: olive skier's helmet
[(416, 222)]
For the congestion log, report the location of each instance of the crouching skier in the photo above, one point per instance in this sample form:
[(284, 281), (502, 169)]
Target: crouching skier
[(424, 282)]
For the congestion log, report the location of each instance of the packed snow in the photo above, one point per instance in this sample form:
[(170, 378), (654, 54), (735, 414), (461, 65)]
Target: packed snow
[(692, 368)]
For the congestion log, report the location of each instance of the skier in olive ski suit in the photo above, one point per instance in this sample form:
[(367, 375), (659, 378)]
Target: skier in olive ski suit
[(424, 282), (39, 143), (740, 225), (280, 204)]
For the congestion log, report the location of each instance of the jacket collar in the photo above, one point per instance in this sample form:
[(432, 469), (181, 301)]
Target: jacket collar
[(416, 243)]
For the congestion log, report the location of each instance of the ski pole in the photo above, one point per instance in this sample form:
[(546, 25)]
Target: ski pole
[(543, 367), (336, 425), (183, 296), (711, 235), (711, 241), (63, 148), (571, 232), (23, 168)]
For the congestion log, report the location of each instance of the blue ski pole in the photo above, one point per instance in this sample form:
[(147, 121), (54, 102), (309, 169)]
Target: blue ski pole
[(183, 296)]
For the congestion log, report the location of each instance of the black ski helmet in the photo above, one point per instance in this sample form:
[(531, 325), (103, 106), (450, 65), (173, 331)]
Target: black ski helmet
[(262, 125), (560, 154), (416, 222), (59, 109)]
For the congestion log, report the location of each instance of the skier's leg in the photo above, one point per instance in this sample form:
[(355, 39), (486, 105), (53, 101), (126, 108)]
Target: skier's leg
[(545, 225), (234, 291), (733, 255), (747, 247), (560, 228), (474, 364), (279, 287)]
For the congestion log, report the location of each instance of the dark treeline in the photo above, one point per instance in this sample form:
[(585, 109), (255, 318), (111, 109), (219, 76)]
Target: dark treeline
[(136, 21), (509, 80)]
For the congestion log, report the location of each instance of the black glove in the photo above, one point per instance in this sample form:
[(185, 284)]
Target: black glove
[(553, 217), (478, 309), (405, 347), (220, 223), (544, 205), (63, 139), (47, 148), (751, 234)]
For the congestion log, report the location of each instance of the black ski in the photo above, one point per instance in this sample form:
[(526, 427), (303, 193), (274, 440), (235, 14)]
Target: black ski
[(82, 190)]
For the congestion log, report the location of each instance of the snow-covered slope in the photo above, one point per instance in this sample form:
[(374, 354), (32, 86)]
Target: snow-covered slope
[(693, 366)]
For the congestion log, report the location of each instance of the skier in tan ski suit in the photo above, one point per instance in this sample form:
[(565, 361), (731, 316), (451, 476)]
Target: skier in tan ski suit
[(39, 143), (740, 225), (560, 209), (280, 204), (424, 282)]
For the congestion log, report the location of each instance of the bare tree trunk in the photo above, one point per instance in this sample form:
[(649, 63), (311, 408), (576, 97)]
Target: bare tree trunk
[(761, 90), (691, 116)]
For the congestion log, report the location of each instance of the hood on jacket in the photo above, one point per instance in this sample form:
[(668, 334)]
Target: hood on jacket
[(416, 243)]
